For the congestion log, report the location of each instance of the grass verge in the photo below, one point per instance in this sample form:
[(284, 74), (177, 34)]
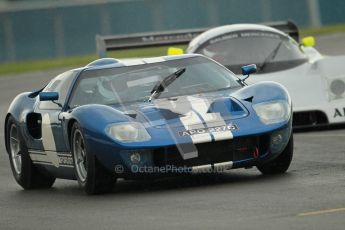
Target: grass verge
[(40, 65)]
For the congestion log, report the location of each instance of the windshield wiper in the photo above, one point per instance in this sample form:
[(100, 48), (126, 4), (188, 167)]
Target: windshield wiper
[(271, 56), (162, 85)]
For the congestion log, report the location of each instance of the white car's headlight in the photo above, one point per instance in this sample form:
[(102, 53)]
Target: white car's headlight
[(128, 132), (273, 112)]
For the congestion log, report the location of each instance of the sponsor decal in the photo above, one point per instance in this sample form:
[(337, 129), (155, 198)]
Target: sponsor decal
[(225, 37), (216, 129), (65, 160), (168, 37), (59, 159), (339, 113), (244, 34)]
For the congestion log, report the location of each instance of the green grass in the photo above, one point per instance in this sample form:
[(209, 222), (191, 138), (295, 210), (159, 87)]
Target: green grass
[(29, 66), (339, 28), (39, 65)]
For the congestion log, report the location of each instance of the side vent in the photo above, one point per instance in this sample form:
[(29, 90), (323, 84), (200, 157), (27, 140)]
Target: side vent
[(34, 124), (309, 118)]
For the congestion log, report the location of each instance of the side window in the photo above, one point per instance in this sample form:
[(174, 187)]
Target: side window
[(60, 84)]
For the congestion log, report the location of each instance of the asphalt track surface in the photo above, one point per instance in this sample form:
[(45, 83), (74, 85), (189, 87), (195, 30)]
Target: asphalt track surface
[(310, 196)]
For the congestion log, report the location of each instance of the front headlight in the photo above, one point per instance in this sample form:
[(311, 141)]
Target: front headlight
[(273, 112), (128, 132)]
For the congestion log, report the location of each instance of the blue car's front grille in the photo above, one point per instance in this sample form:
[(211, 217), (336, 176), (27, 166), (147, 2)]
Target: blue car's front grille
[(214, 152)]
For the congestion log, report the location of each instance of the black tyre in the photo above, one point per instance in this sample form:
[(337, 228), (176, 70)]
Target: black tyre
[(280, 164), (24, 171), (92, 177)]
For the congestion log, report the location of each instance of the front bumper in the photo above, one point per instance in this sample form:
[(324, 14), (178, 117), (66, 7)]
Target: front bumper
[(239, 152)]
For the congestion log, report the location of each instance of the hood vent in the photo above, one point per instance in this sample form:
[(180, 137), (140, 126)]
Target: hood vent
[(226, 107)]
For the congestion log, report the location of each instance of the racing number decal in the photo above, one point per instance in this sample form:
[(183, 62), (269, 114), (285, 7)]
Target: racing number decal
[(47, 133), (339, 113), (202, 107), (195, 116)]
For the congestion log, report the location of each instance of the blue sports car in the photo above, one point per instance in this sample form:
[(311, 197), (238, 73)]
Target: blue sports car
[(147, 117)]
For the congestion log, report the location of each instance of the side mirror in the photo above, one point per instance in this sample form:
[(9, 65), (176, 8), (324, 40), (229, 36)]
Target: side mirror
[(49, 96), (249, 69), (308, 41), (175, 51)]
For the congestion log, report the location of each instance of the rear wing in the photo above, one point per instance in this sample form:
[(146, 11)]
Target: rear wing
[(141, 40), (169, 38), (287, 27)]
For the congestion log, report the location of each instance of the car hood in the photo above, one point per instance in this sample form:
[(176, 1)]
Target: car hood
[(209, 109)]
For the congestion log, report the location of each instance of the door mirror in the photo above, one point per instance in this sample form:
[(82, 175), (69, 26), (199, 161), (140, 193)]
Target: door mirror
[(175, 51), (49, 96), (248, 69), (308, 41)]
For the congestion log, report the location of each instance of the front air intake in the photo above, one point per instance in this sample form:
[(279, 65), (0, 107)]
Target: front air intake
[(309, 118)]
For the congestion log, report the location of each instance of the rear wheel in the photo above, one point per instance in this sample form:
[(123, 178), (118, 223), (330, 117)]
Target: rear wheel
[(24, 171), (92, 177), (280, 164)]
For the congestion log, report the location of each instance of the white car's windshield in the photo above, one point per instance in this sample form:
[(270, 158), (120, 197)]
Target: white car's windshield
[(135, 83), (246, 47)]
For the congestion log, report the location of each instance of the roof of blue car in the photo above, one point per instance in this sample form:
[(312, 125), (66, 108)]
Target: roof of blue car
[(113, 63)]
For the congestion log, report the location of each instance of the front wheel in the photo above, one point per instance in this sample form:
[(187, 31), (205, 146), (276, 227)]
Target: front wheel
[(24, 171), (92, 177), (280, 164)]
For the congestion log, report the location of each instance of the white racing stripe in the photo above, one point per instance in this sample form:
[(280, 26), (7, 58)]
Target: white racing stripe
[(223, 135), (48, 140), (130, 62), (208, 168), (223, 166), (40, 157), (193, 121), (190, 151), (153, 60), (42, 163), (47, 133), (201, 106)]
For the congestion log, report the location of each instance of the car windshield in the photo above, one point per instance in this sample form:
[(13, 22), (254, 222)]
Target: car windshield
[(135, 83), (254, 47)]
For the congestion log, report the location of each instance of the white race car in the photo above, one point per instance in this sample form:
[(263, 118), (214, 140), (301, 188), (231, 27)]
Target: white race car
[(315, 82)]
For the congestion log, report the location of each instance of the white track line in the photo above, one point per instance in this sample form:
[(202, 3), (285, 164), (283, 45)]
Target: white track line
[(322, 212), (321, 135)]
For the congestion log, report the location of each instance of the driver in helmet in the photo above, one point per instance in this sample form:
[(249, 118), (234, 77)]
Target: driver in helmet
[(111, 90)]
